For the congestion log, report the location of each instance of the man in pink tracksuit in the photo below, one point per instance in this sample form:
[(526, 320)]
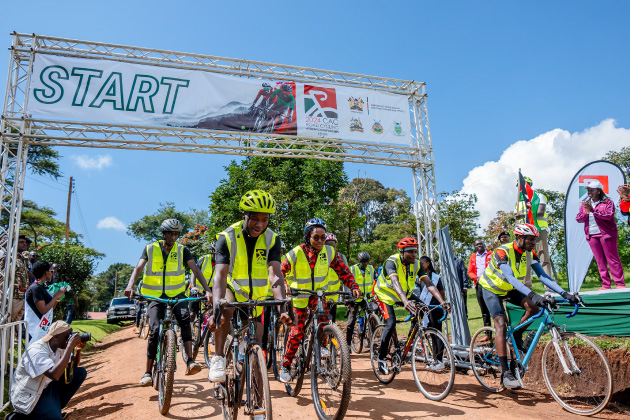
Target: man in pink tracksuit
[(598, 215)]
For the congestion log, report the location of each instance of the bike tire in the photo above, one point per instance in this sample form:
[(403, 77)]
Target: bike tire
[(433, 372), (357, 337), (587, 392), (279, 340), (208, 340), (372, 323), (334, 378), (229, 404), (166, 377), (140, 327), (196, 336), (259, 383), (374, 348), (300, 360), (484, 360), (146, 329)]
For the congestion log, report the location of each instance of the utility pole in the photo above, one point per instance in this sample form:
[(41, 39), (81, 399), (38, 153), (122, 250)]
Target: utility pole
[(116, 284), (68, 212)]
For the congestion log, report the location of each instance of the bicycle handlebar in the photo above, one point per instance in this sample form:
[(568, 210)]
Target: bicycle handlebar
[(173, 301), (572, 314), (223, 303), (296, 292)]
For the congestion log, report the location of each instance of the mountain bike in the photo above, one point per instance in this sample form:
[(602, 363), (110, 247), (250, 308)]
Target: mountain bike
[(275, 341), (143, 328), (200, 332), (330, 376), (165, 363), (431, 356), (259, 115), (250, 375), (367, 319), (575, 369)]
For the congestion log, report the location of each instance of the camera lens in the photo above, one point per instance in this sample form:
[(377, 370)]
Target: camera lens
[(85, 337)]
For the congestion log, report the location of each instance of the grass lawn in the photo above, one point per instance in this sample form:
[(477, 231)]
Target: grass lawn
[(99, 328)]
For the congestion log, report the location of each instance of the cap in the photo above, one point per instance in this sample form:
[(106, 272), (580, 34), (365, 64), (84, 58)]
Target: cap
[(501, 234), (26, 238), (57, 327), (595, 184)]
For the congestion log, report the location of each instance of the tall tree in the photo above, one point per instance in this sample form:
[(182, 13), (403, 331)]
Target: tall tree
[(503, 222), (621, 157), (148, 227), (40, 224), (457, 211)]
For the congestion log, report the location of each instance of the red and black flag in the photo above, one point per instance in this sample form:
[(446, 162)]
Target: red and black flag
[(527, 195)]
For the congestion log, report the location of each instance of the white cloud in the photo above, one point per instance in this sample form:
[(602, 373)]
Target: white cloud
[(551, 160), (111, 222), (87, 163)]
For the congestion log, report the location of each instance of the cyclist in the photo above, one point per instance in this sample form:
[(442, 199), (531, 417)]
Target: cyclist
[(282, 103), (206, 265), (165, 278), (395, 286), (334, 283), (364, 274), (263, 95), (503, 280), (247, 264), (307, 266)]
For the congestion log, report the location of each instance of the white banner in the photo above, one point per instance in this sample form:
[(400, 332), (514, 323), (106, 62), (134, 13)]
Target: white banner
[(579, 254), (116, 92)]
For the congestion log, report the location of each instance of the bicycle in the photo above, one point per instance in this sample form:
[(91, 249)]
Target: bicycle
[(143, 328), (165, 363), (252, 376), (432, 363), (200, 333), (367, 319), (330, 377), (575, 369)]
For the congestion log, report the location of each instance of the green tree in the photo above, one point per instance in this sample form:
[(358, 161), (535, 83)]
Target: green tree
[(503, 222), (42, 160), (620, 158), (148, 227), (457, 211), (101, 286), (40, 224), (302, 188)]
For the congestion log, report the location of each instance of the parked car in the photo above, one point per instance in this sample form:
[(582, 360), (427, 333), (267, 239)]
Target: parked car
[(121, 309)]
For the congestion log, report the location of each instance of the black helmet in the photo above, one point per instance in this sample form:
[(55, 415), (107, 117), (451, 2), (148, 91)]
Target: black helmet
[(287, 88), (266, 85), (171, 225), (363, 256)]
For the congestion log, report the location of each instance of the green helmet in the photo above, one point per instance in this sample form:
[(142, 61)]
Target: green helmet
[(258, 201)]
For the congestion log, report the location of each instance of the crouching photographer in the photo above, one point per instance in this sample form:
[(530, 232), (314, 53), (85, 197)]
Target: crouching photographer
[(48, 374)]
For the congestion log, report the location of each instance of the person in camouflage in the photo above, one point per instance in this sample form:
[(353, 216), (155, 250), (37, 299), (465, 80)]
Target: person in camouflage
[(20, 278)]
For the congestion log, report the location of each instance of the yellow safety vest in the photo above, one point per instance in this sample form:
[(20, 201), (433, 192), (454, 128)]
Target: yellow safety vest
[(160, 277), (493, 278), (384, 288), (239, 278), (366, 283), (300, 275), (334, 283), (207, 269), (540, 222)]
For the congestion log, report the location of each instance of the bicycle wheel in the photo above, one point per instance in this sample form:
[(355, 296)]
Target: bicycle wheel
[(145, 329), (585, 386), (433, 364), (370, 327), (357, 335), (391, 354), (279, 339), (300, 362), (208, 340), (166, 376), (229, 403), (259, 385), (484, 360), (196, 336), (140, 327), (331, 385)]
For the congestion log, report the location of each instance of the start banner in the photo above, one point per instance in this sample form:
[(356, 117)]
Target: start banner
[(123, 93)]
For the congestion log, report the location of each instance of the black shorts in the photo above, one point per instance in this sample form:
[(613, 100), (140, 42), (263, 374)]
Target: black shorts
[(494, 302)]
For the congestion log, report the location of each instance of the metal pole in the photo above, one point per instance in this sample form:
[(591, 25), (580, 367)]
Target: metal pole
[(68, 211)]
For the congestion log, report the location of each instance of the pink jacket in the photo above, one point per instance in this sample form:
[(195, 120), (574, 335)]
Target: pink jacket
[(604, 214)]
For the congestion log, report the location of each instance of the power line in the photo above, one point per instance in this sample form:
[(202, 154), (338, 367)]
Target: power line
[(81, 218), (49, 186)]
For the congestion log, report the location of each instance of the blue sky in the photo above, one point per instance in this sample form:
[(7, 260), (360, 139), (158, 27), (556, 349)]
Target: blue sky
[(496, 73)]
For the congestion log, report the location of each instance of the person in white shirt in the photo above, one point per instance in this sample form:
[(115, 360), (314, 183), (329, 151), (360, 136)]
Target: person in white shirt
[(42, 386)]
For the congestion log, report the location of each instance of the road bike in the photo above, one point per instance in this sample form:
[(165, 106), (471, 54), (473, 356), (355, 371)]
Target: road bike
[(367, 319), (575, 369), (431, 356), (245, 366), (330, 376), (165, 363)]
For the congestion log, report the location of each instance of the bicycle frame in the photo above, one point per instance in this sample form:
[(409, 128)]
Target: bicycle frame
[(411, 338)]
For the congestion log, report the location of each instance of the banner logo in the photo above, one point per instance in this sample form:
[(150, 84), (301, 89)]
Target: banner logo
[(377, 128), (398, 130), (583, 181), (320, 102), (356, 104), (355, 125)]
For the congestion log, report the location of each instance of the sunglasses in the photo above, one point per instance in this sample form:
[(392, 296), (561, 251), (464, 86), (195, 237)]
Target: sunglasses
[(318, 238)]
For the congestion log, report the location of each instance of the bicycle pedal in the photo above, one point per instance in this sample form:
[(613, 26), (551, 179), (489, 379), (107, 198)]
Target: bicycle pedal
[(218, 393)]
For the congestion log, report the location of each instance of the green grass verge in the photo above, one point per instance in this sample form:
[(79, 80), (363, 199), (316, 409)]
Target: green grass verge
[(99, 328)]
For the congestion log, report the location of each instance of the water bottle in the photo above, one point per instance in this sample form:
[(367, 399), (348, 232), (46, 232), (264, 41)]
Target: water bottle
[(241, 350), (361, 323)]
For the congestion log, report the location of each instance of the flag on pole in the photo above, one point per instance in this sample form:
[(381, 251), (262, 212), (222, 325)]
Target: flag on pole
[(527, 194)]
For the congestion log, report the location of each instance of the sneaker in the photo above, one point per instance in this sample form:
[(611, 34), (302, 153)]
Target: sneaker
[(382, 367), (217, 369), (136, 330), (484, 339), (192, 367), (285, 375), (146, 380), (509, 381), (438, 366), (324, 352), (604, 288)]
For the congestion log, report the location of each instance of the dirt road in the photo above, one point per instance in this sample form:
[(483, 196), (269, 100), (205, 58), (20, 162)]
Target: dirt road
[(111, 391)]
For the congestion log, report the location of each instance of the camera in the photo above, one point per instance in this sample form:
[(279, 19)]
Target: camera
[(85, 337)]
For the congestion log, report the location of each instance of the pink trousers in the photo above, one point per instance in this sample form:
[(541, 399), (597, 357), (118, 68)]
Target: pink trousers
[(606, 255)]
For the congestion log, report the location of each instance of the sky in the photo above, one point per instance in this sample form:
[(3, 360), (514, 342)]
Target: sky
[(542, 86)]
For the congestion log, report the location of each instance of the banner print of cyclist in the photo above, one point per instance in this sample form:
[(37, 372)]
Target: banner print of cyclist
[(272, 110)]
